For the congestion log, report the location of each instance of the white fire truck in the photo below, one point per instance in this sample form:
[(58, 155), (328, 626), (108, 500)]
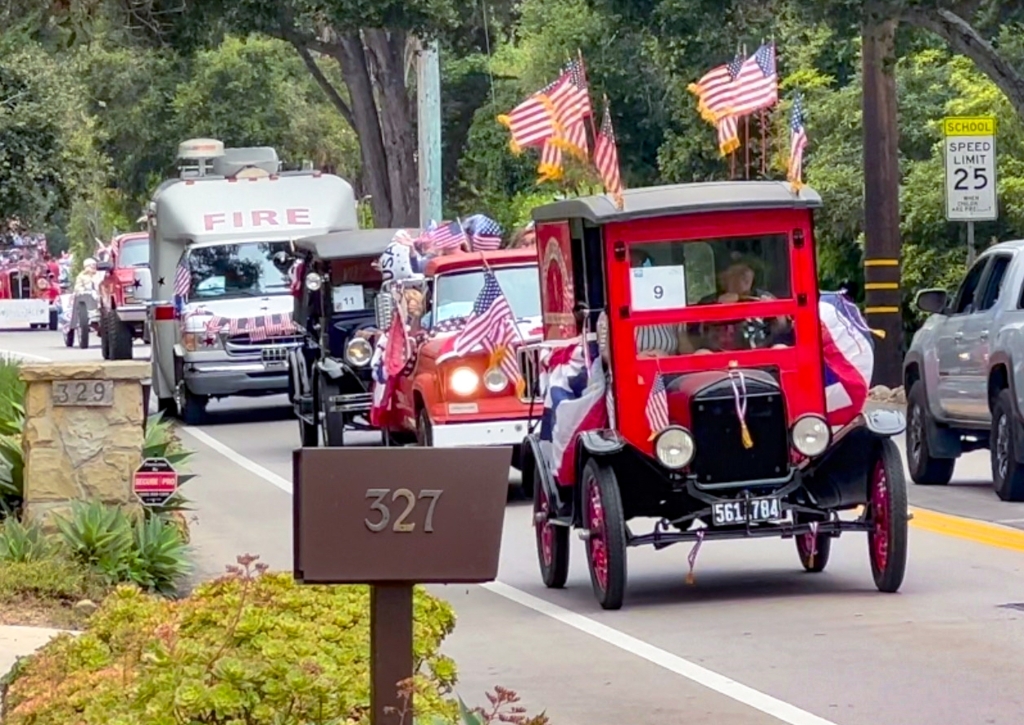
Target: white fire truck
[(222, 264)]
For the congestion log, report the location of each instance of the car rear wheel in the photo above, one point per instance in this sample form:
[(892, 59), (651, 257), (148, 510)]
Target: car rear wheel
[(887, 499), (1007, 472), (120, 338), (605, 533), (83, 326), (105, 334), (552, 541), (925, 469)]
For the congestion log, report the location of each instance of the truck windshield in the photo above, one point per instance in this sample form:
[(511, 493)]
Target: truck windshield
[(456, 293), (250, 269), (134, 253)]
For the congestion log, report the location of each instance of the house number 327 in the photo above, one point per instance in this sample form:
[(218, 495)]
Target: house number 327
[(406, 500)]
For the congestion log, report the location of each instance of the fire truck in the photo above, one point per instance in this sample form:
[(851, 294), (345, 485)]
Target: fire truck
[(222, 264), (123, 294), (27, 294)]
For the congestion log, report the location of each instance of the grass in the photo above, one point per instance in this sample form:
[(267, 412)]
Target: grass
[(44, 592)]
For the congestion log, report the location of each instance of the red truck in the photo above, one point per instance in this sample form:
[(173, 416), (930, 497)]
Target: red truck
[(124, 294)]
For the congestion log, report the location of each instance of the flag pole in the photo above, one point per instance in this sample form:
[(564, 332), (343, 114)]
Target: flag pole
[(586, 81)]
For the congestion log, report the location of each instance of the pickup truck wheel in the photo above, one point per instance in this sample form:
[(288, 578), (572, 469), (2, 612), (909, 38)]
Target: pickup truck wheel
[(424, 430), (1007, 473), (105, 334), (925, 470)]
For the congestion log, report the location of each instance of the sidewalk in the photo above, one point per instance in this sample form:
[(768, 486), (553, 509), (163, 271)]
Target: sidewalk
[(18, 642)]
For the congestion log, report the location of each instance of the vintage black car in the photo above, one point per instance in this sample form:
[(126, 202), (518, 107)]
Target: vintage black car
[(337, 285)]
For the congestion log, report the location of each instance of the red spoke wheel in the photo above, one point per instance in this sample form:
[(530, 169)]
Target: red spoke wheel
[(552, 541), (813, 549), (606, 533), (887, 499)]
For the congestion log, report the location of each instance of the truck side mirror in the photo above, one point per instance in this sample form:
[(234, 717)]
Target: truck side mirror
[(933, 301)]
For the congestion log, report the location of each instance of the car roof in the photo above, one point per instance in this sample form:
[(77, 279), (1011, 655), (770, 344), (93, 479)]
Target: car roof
[(1009, 246), (348, 244), (130, 237), (475, 260), (674, 199)]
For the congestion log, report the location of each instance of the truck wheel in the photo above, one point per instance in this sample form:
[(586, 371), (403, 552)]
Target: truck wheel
[(69, 337), (552, 541), (1007, 473), (606, 533), (424, 429), (332, 424), (167, 406), (925, 470), (83, 327), (53, 320), (120, 339), (191, 407), (887, 496), (105, 334)]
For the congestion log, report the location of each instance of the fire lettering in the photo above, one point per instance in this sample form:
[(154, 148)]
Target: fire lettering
[(264, 216), (237, 218), (212, 220), (298, 217)]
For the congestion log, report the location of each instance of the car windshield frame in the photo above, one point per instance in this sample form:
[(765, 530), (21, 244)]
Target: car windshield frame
[(464, 309), (132, 244), (256, 288)]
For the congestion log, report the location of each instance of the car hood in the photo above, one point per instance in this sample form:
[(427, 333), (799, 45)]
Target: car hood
[(198, 313), (442, 344)]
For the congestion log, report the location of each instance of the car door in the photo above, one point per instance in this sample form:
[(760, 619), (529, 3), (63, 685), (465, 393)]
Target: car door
[(951, 393), (973, 343)]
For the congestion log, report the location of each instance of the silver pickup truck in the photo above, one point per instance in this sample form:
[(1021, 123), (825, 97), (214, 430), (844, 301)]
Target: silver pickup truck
[(964, 374)]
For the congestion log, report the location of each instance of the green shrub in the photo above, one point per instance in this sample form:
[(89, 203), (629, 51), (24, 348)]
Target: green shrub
[(23, 542), (249, 648), (12, 421), (12, 392), (52, 581), (149, 551)]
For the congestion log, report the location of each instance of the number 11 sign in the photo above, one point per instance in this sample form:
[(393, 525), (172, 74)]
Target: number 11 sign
[(970, 168)]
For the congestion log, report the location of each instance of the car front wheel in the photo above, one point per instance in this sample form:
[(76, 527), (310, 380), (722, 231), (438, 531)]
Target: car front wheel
[(925, 469), (1007, 472)]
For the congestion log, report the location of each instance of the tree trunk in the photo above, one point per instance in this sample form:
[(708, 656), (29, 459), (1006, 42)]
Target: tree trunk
[(883, 298), (962, 38), (386, 50), (356, 74)]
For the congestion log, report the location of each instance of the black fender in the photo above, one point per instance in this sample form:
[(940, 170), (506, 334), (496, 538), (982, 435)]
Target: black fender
[(599, 443), (540, 473), (885, 422)]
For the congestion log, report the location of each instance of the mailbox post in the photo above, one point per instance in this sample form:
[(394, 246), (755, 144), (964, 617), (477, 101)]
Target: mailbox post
[(393, 518)]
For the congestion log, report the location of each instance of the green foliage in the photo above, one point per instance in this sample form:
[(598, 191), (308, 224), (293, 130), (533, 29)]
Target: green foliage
[(250, 648), (149, 551), (22, 543), (53, 580)]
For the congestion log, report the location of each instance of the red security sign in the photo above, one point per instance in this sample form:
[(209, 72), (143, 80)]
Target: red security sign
[(155, 481)]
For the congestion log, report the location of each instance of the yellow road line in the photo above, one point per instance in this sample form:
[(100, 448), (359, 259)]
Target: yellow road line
[(980, 532)]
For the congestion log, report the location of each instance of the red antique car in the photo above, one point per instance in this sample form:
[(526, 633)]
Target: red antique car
[(449, 400), (684, 381), (124, 293), (28, 292)]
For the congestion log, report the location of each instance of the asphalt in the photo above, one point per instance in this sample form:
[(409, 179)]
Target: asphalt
[(753, 640)]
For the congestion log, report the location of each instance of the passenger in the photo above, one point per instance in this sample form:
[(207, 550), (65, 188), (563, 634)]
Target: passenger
[(523, 238)]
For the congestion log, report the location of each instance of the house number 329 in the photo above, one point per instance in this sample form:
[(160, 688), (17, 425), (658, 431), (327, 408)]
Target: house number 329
[(405, 499)]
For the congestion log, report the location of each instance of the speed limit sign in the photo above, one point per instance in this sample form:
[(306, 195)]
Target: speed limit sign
[(970, 168)]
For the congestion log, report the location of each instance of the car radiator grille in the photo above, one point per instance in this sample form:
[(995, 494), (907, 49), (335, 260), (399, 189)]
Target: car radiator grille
[(529, 366), (244, 345), (721, 457)]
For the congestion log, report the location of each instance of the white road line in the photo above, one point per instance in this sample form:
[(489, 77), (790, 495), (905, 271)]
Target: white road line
[(782, 711)]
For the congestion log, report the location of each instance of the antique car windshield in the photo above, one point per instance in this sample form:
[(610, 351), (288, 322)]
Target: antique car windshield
[(455, 293), (251, 269), (133, 254), (676, 275)]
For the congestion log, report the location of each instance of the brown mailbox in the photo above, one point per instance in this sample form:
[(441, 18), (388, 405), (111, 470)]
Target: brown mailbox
[(391, 518)]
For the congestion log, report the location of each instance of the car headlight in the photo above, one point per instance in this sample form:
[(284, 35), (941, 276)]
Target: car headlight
[(193, 341), (811, 435), (464, 381), (314, 281), (495, 380), (358, 352), (674, 447)]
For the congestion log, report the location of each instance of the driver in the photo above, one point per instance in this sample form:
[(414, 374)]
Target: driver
[(89, 278), (737, 284)]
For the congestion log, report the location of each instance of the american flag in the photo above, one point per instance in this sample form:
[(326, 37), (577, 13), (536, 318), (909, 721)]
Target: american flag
[(657, 406), (757, 85), (606, 157), (449, 235), (728, 135), (493, 325), (714, 89), (798, 141), (550, 168), (182, 284), (484, 233), (532, 122), (572, 107), (452, 324)]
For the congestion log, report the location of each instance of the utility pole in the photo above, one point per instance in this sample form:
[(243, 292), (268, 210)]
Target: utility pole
[(428, 92), (882, 246)]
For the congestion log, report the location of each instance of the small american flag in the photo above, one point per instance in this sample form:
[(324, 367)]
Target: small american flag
[(447, 236), (484, 233), (606, 157), (452, 324), (714, 89), (492, 325), (757, 85), (728, 135), (550, 168), (572, 107), (797, 144), (531, 123), (182, 284), (657, 406)]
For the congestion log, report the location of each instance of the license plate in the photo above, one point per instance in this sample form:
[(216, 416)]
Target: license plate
[(735, 512)]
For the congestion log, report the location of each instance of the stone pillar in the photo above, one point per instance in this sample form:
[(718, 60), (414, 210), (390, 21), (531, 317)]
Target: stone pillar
[(84, 432)]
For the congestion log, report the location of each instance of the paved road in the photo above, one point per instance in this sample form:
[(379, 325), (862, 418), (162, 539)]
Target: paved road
[(753, 641)]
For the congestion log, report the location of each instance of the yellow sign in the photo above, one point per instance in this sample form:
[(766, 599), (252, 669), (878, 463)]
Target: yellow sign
[(969, 126)]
